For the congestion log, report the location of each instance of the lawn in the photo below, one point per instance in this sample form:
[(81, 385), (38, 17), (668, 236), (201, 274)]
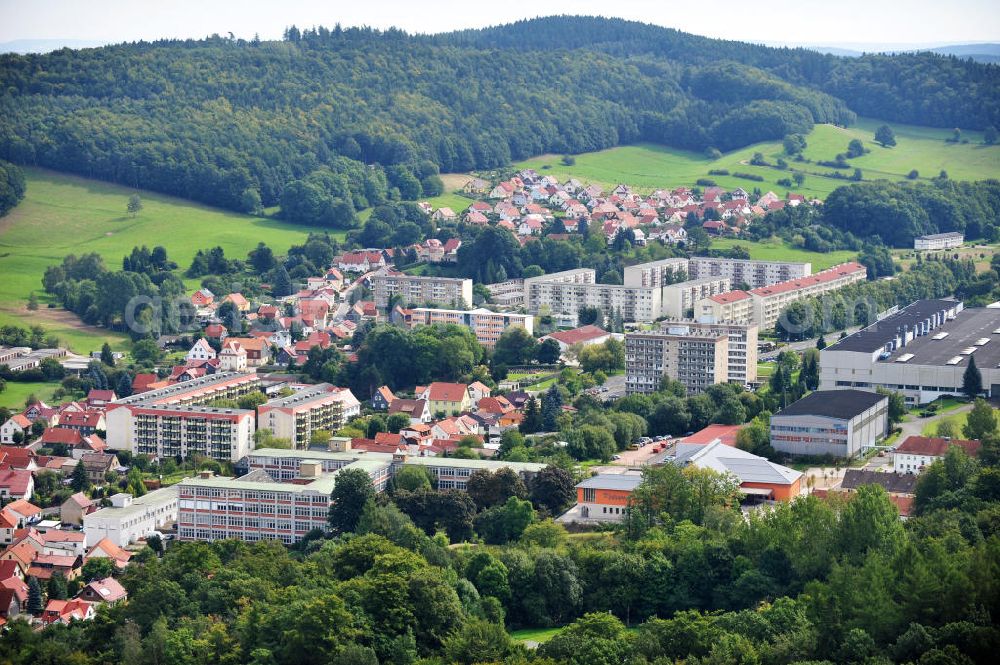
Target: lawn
[(957, 420), (776, 249), (63, 214), (534, 634), (647, 167), (16, 394)]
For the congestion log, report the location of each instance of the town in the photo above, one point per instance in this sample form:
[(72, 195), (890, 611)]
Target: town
[(569, 341)]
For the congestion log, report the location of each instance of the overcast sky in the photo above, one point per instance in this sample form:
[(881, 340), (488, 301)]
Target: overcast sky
[(817, 22)]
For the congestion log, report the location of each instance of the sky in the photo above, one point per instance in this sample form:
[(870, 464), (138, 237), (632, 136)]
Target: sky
[(808, 22)]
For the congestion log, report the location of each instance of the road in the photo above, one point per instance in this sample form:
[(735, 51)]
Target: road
[(614, 388)]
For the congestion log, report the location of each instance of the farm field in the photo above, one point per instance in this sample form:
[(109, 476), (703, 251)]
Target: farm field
[(647, 167), (778, 250), (63, 214)]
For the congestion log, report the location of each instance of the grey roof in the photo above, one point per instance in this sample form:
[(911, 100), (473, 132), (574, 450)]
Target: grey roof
[(747, 467), (844, 404), (184, 386), (899, 483), (612, 481), (939, 236), (968, 327), (879, 334)]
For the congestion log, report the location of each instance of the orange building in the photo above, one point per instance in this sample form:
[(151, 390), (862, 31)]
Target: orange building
[(605, 497), (758, 477)]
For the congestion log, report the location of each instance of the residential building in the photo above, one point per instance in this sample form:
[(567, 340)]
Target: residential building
[(841, 423), (418, 410), (67, 611), (917, 452), (286, 493), (921, 351), (507, 294), (741, 338), (656, 273), (678, 300), (17, 423), (696, 359), (750, 272), (297, 417), (605, 497), (98, 465), (382, 399), (736, 306), (759, 477), (447, 398), (415, 289), (107, 590), (171, 421), (486, 325), (129, 518), (770, 301), (105, 548), (564, 293), (201, 350), (75, 508), (939, 241), (16, 484)]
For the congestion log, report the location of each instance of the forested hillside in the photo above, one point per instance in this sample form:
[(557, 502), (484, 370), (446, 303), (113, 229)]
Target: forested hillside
[(329, 122)]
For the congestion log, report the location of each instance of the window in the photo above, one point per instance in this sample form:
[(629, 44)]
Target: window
[(589, 494)]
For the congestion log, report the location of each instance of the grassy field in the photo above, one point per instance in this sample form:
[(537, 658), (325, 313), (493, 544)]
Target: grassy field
[(16, 394), (647, 167), (64, 214), (778, 250), (957, 420), (534, 634)]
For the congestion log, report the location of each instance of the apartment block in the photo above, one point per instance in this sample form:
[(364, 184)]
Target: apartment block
[(507, 294), (729, 306), (678, 300), (922, 351), (563, 294), (657, 273), (769, 301), (741, 365), (753, 273), (173, 421), (286, 493), (415, 289), (297, 417), (486, 325), (696, 359)]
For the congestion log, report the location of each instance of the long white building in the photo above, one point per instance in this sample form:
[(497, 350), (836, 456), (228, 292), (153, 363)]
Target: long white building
[(751, 272), (418, 290), (485, 324), (322, 407), (770, 301), (921, 351), (129, 518)]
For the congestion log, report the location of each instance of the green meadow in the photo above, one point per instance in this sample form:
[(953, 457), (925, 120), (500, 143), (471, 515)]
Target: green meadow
[(776, 249), (63, 214), (15, 395), (647, 167)]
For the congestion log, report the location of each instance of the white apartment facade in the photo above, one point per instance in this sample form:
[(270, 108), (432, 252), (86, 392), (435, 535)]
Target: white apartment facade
[(419, 290), (485, 324), (694, 358), (679, 299), (741, 358), (939, 241), (754, 273), (732, 306), (770, 301), (297, 417)]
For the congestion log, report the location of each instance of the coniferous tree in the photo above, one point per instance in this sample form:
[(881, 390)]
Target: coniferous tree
[(80, 482), (124, 387), (972, 380), (57, 589), (532, 421), (35, 602), (107, 357), (551, 408)]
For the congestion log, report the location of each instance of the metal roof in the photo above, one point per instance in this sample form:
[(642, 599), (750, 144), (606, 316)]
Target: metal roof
[(612, 481), (842, 404)]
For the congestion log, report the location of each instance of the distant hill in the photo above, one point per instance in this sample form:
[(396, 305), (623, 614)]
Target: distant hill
[(984, 53), (46, 45), (329, 122)]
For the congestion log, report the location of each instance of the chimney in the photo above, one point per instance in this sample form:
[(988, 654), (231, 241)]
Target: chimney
[(205, 473)]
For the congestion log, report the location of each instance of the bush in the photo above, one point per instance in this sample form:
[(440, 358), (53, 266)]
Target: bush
[(705, 182), (913, 175), (719, 172), (749, 176)]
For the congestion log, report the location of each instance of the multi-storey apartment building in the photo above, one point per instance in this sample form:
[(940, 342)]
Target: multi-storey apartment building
[(296, 417), (922, 351), (769, 301), (507, 294), (286, 493), (679, 299), (694, 358), (657, 273), (486, 325), (753, 273), (415, 289), (173, 421), (564, 293), (729, 306), (741, 365)]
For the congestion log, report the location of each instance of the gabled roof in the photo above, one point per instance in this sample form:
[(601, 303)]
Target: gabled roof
[(108, 590), (933, 446), (747, 467), (24, 507), (111, 550), (80, 499), (17, 481), (577, 335), (386, 394), (900, 483), (440, 391), (411, 407)]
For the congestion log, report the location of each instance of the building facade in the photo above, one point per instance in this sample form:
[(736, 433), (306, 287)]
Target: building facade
[(297, 417), (419, 290), (694, 358), (129, 518), (486, 325), (770, 301), (939, 241), (840, 423), (741, 359), (752, 273), (656, 273), (921, 351), (735, 306), (605, 497), (679, 299)]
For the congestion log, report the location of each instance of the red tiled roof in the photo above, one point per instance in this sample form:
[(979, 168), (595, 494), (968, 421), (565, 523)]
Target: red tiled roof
[(111, 550), (577, 335), (828, 275), (100, 395), (17, 457), (16, 481), (933, 446), (24, 507), (726, 434), (729, 296), (440, 391), (108, 590)]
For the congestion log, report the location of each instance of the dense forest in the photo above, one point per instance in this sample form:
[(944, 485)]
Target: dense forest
[(329, 122), (11, 186)]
